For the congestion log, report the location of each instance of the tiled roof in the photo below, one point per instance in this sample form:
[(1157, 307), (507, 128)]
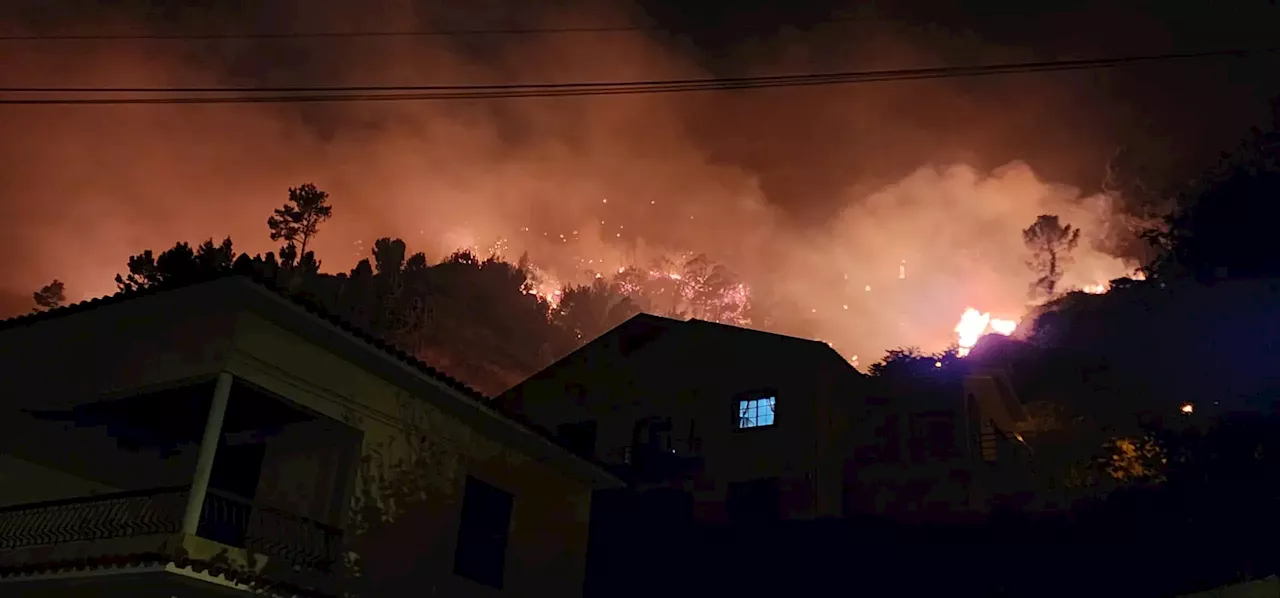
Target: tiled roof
[(156, 559), (311, 306)]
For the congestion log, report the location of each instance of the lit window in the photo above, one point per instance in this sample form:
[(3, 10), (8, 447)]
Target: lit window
[(756, 413)]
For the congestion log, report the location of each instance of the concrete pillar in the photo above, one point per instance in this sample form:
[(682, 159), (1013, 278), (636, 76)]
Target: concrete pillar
[(208, 448)]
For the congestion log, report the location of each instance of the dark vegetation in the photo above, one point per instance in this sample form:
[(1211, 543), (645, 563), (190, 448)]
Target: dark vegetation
[(484, 320)]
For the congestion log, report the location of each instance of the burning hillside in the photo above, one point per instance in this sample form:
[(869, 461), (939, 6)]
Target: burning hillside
[(956, 238), (841, 217)]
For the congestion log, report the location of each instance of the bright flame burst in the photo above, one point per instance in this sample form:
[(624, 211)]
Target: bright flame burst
[(973, 324)]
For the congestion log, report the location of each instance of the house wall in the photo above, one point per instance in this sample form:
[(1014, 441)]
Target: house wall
[(147, 343), (687, 383), (547, 545)]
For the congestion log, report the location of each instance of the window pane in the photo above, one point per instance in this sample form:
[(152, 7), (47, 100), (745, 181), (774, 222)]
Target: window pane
[(754, 413)]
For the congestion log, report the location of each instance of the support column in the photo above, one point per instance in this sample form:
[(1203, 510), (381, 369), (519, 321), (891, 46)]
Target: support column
[(208, 448)]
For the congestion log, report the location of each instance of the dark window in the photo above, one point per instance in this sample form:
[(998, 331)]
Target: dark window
[(481, 554), (652, 433), (886, 443), (934, 436), (757, 412), (756, 501), (693, 443), (577, 392), (578, 437)]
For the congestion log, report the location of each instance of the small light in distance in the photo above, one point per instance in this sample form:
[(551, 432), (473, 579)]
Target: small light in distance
[(1187, 408), (937, 364)]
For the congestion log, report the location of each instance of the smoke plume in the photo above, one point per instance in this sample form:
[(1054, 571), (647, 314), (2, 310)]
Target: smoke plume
[(912, 190)]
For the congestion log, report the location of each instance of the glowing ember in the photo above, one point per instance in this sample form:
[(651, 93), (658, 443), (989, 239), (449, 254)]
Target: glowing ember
[(973, 324)]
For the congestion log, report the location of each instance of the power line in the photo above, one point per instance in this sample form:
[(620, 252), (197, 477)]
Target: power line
[(698, 84), (579, 89), (390, 34)]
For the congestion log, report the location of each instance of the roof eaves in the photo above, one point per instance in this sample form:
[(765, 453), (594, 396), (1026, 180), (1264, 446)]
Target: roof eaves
[(315, 310)]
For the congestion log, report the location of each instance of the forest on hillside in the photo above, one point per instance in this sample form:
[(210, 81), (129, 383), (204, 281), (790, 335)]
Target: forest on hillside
[(1103, 374)]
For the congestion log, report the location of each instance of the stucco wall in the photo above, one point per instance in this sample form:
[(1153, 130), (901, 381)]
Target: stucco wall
[(547, 546)]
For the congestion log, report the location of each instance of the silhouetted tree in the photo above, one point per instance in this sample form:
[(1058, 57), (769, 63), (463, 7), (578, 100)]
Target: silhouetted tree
[(484, 318), (585, 312), (298, 221), (1224, 224), (713, 292), (911, 362), (177, 265), (50, 296), (1051, 244)]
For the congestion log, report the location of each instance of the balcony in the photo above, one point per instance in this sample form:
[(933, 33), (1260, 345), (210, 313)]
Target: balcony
[(112, 520), (112, 481)]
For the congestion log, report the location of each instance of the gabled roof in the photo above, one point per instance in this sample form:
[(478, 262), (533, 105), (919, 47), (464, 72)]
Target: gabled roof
[(400, 361), (813, 348), (643, 330)]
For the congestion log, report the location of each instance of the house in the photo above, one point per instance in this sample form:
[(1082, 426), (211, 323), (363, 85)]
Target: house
[(945, 445), (732, 424), (206, 439)]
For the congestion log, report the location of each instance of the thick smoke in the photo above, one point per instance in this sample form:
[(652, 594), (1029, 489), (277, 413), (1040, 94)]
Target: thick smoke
[(913, 255), (580, 183)]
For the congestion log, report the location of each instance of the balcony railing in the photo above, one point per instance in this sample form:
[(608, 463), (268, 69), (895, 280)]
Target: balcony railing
[(101, 517), (225, 518), (235, 521)]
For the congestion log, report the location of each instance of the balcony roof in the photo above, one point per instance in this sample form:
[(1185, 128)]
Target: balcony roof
[(317, 325)]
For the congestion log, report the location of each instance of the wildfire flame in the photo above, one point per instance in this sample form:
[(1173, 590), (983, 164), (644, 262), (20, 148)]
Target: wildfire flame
[(973, 324)]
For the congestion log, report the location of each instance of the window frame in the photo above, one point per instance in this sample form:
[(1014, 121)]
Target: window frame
[(466, 545), (742, 400)]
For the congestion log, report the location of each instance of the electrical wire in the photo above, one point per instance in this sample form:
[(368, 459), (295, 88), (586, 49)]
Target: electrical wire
[(393, 34), (208, 95)]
